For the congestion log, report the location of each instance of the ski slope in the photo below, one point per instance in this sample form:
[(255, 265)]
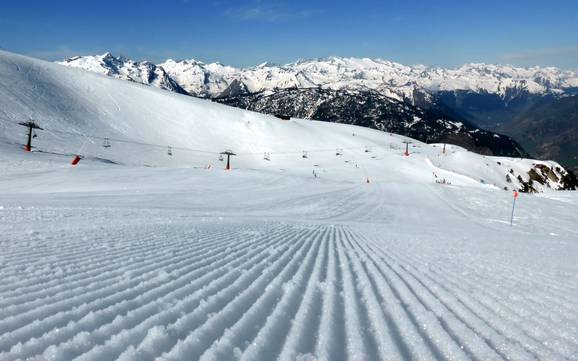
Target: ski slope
[(137, 255)]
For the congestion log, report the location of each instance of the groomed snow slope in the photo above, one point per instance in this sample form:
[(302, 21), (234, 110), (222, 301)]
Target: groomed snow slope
[(113, 259)]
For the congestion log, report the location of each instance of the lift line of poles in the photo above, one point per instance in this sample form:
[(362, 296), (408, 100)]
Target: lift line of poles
[(32, 126)]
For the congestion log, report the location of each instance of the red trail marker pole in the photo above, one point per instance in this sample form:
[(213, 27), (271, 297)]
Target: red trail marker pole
[(78, 155)]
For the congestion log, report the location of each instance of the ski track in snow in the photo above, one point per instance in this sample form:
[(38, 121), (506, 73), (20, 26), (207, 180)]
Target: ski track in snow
[(264, 290), (355, 282)]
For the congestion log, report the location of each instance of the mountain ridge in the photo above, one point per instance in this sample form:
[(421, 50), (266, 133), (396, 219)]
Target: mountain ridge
[(123, 68), (392, 79)]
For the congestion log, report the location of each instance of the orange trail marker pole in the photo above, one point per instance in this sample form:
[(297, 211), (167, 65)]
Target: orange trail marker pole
[(513, 206)]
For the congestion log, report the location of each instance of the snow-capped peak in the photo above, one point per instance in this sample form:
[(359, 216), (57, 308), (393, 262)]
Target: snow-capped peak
[(120, 67), (389, 78)]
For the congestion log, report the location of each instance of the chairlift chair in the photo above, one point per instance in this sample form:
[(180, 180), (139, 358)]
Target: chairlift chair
[(304, 156), (170, 150), (339, 151), (106, 143), (221, 157), (266, 156)]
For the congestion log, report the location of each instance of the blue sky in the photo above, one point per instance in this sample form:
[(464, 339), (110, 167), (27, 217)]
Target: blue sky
[(249, 32)]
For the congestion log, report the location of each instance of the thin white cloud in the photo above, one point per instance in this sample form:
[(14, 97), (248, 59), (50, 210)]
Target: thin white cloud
[(545, 54), (260, 11)]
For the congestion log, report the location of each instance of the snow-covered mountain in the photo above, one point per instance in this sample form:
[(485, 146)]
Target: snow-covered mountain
[(356, 84), (122, 68), (374, 110), (200, 79), (389, 78)]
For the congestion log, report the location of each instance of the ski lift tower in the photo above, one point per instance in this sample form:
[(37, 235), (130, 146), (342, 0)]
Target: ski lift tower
[(30, 125), (407, 143), (228, 153)]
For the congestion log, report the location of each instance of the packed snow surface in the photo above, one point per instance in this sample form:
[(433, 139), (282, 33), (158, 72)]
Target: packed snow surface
[(135, 254)]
